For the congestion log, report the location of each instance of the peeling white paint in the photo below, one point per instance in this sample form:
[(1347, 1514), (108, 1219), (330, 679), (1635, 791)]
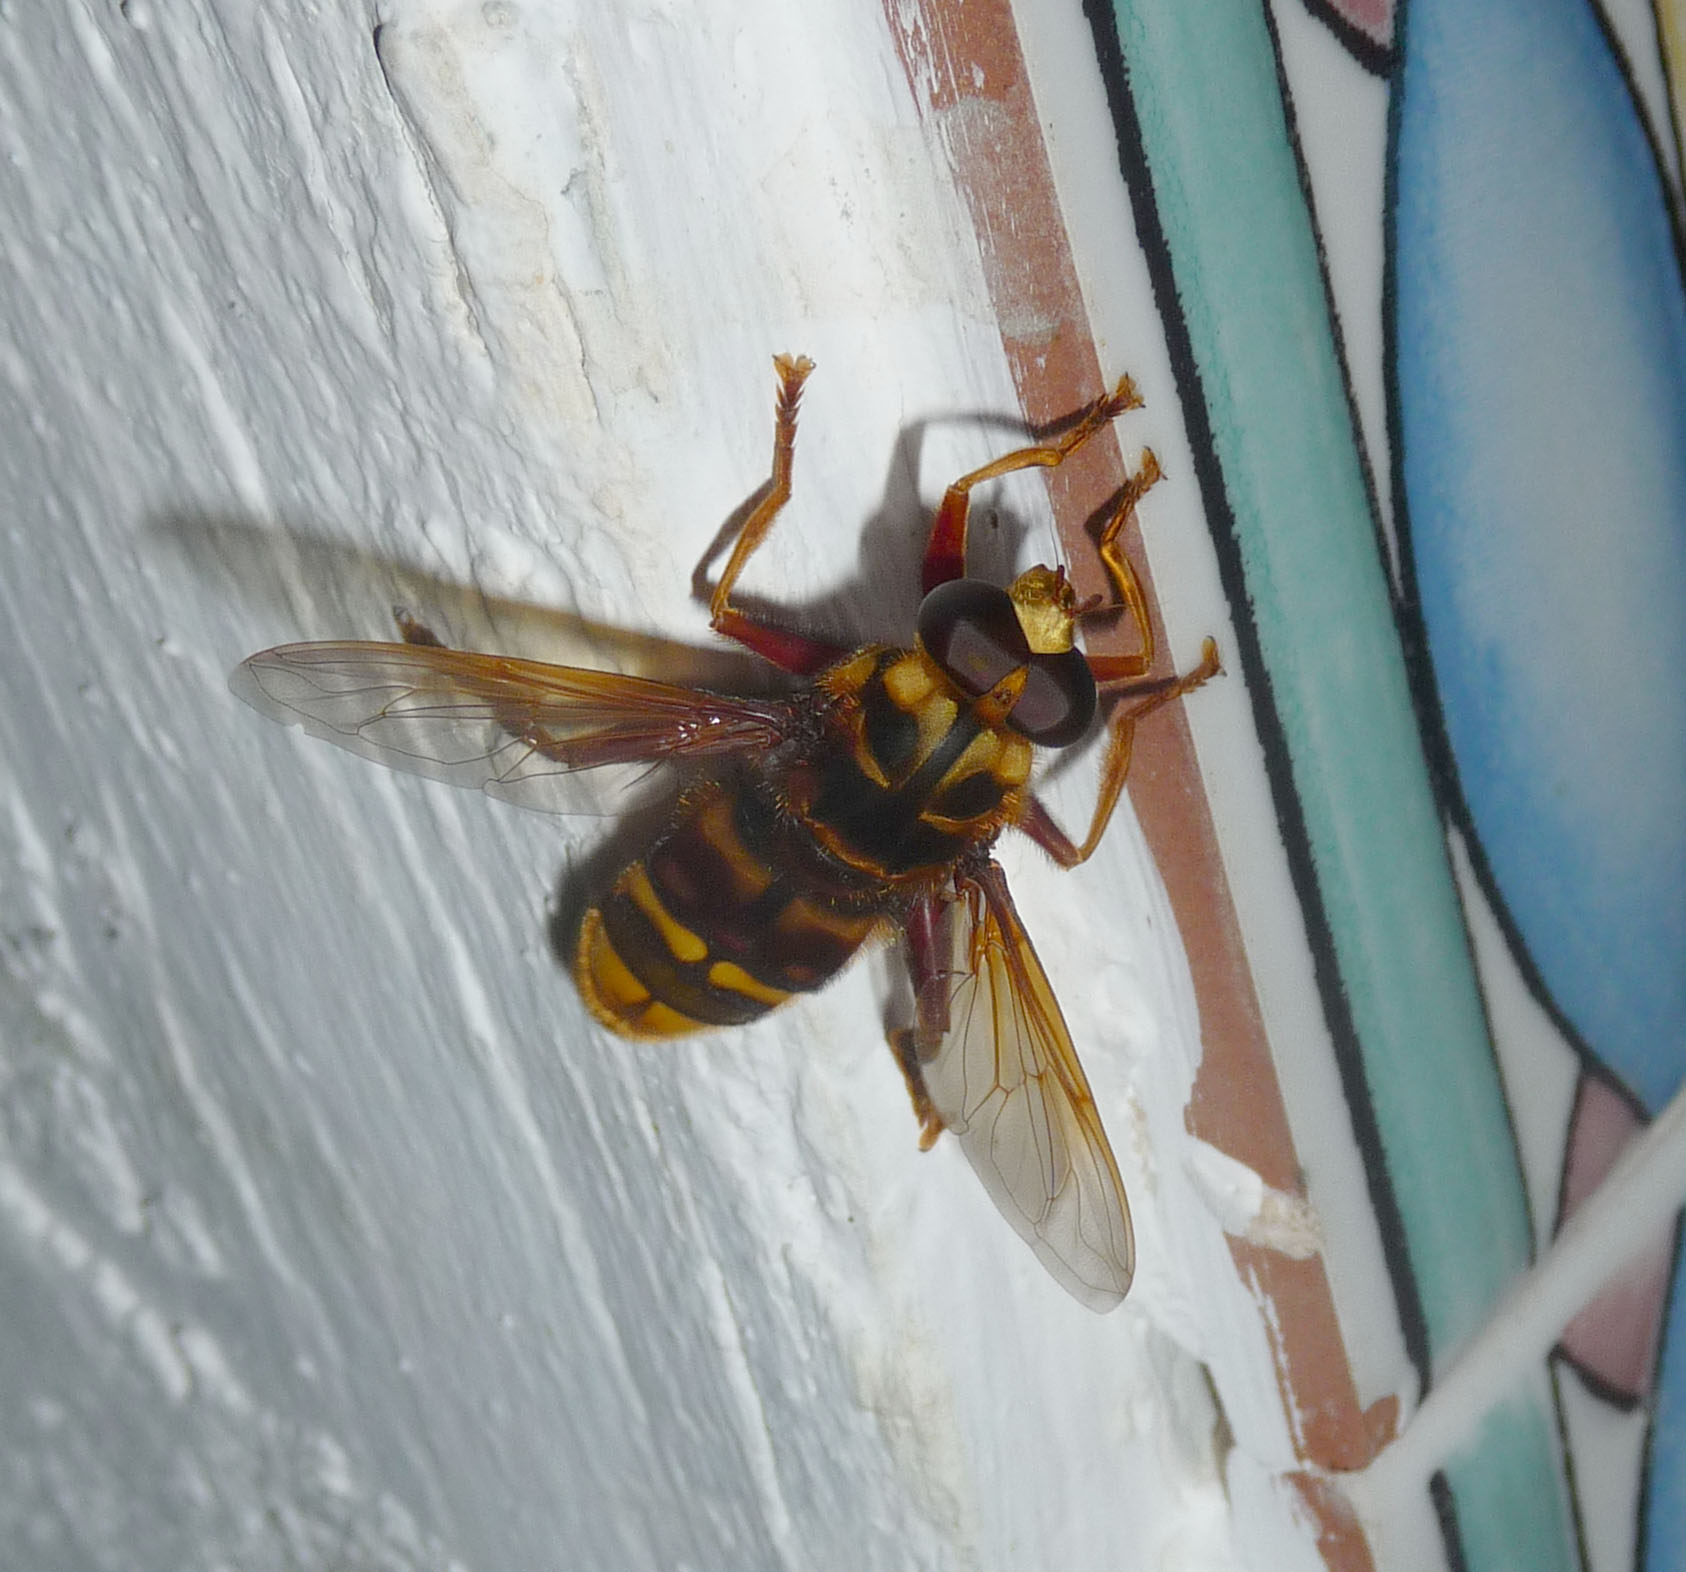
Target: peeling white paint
[(1248, 1208)]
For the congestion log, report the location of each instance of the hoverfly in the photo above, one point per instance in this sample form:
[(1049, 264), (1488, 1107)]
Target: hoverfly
[(862, 804)]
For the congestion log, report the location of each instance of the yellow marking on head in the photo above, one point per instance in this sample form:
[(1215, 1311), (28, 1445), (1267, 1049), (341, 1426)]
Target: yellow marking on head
[(681, 942), (1047, 608), (734, 979)]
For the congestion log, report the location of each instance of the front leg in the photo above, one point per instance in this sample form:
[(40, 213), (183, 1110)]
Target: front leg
[(1114, 668), (1039, 824)]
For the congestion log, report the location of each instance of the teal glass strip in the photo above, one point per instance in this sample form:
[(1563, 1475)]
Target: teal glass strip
[(1242, 252), (1510, 1515)]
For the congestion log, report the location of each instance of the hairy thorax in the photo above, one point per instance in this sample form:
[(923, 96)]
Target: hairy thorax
[(909, 777)]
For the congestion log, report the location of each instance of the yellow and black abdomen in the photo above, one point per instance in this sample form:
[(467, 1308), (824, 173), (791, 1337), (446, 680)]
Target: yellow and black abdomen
[(724, 918), (769, 881)]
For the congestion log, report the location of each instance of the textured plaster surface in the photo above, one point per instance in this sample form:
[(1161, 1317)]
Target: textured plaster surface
[(331, 1232)]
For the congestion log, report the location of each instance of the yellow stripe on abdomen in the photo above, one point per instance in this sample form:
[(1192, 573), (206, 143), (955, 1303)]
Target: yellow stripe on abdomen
[(708, 929)]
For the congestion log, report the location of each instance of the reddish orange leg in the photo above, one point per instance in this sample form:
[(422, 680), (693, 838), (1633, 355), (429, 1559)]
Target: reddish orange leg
[(1039, 825), (784, 647), (1116, 668), (930, 1003), (945, 553), (904, 1044)]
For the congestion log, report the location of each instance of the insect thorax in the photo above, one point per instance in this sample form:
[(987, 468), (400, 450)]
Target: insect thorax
[(907, 778)]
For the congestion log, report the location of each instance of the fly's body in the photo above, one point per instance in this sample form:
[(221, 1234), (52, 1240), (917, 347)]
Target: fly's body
[(770, 879), (863, 805)]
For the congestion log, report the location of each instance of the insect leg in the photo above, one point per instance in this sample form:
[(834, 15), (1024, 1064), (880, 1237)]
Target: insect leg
[(1110, 668), (945, 553), (930, 1003), (1038, 823), (794, 652)]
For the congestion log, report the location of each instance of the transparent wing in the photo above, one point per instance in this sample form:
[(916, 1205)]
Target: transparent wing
[(999, 1068), (557, 739)]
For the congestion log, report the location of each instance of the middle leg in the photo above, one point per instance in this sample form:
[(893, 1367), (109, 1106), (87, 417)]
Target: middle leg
[(1039, 824)]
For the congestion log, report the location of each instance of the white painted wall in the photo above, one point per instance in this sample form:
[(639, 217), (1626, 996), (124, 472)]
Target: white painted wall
[(331, 1233)]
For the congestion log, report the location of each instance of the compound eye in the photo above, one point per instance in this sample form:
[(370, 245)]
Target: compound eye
[(1058, 702), (970, 629)]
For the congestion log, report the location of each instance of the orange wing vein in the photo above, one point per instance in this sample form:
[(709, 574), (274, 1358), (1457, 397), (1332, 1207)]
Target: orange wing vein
[(1003, 1074), (521, 730)]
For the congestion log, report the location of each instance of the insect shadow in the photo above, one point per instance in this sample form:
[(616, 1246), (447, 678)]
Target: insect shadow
[(878, 604)]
